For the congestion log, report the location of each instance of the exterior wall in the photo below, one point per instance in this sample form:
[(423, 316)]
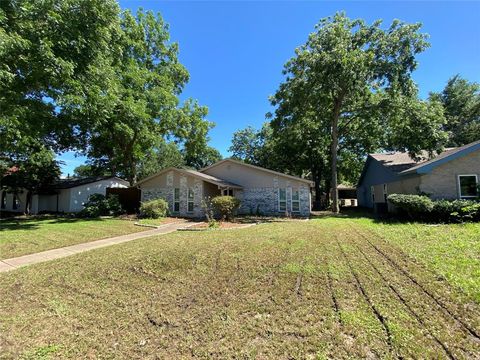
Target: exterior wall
[(72, 200), (375, 174), (47, 203), (163, 186), (442, 181), (260, 191), (22, 196)]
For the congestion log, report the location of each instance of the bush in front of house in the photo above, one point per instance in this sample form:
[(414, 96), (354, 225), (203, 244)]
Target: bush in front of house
[(100, 205), (420, 207), (154, 209), (225, 206)]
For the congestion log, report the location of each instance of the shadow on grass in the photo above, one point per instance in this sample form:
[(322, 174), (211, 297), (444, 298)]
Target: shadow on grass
[(25, 222)]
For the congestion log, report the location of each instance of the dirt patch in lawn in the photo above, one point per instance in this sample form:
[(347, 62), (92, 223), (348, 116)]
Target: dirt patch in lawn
[(221, 225)]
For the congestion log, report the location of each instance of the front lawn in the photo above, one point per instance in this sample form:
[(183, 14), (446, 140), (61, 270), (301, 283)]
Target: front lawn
[(19, 236), (327, 288)]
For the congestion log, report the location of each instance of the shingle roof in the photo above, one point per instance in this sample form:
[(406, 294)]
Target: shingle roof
[(448, 153), (399, 161)]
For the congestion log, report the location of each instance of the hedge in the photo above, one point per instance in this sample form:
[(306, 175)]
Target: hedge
[(419, 207)]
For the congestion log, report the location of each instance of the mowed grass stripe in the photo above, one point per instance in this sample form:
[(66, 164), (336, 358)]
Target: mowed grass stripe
[(410, 336), (441, 293), (364, 333), (454, 337)]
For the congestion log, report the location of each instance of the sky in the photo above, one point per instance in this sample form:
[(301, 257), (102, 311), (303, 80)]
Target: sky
[(235, 51)]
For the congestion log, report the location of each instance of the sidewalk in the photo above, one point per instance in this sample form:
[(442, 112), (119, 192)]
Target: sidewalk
[(17, 262)]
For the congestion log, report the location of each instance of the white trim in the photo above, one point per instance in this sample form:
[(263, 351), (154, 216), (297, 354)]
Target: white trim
[(297, 201), (460, 187), (286, 207)]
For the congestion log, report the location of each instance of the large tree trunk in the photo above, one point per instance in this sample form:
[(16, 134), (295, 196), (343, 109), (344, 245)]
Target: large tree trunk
[(334, 156)]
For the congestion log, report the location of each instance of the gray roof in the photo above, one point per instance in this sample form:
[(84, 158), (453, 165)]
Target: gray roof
[(447, 155), (399, 161)]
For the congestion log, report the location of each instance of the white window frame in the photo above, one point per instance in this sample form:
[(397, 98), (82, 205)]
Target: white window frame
[(460, 187), (176, 201), (279, 191), (190, 201), (296, 201), (228, 192)]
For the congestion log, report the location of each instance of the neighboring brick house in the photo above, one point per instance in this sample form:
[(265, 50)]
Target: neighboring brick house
[(453, 174), (261, 191)]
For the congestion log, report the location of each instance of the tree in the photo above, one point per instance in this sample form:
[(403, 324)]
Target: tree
[(461, 102), (164, 155), (50, 51), (87, 170), (355, 76), (203, 158), (255, 147), (141, 105)]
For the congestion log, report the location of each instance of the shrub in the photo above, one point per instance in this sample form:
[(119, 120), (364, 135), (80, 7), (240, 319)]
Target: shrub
[(413, 206), (99, 205), (154, 209), (422, 208), (225, 206)]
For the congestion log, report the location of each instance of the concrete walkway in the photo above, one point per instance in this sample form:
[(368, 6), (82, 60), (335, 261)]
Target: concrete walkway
[(17, 262)]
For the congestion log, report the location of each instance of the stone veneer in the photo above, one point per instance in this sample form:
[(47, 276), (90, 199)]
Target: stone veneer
[(265, 201), (167, 193)]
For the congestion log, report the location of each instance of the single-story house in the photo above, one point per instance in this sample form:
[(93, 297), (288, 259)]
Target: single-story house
[(261, 191), (452, 174), (65, 195)]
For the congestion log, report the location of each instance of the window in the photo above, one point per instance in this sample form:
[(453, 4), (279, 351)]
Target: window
[(282, 200), (385, 192), (4, 199), (16, 202), (467, 185), (190, 200), (295, 200), (176, 200), (372, 192), (227, 192)]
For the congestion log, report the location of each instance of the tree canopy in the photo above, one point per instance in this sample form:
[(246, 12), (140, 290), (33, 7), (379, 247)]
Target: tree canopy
[(461, 102), (350, 83), (81, 75)]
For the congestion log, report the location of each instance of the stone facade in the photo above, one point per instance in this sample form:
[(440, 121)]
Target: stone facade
[(167, 193), (264, 201)]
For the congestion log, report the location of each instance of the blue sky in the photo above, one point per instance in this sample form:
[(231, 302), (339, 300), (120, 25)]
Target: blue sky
[(235, 51)]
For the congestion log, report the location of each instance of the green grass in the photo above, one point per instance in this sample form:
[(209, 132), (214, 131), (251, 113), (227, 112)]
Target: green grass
[(327, 288), (26, 236)]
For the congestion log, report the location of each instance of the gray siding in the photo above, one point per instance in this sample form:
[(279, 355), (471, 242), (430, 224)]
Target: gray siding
[(375, 174)]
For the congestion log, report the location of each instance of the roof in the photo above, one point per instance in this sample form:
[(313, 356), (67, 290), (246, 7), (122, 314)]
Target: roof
[(208, 178), (73, 182), (448, 155), (258, 168), (402, 164), (399, 161)]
